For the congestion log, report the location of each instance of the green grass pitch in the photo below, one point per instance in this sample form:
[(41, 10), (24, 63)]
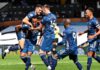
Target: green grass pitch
[(13, 62)]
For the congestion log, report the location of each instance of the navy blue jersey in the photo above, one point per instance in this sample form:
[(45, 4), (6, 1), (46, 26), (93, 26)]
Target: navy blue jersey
[(93, 24), (30, 34), (48, 33), (69, 38), (31, 15), (48, 21)]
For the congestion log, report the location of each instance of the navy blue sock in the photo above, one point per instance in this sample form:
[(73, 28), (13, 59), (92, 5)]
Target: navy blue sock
[(79, 66), (28, 63), (24, 59), (54, 63), (50, 59), (44, 59), (97, 58), (14, 48), (89, 62)]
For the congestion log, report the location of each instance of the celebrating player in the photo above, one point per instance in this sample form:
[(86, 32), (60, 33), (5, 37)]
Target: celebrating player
[(27, 37), (69, 39), (93, 25), (48, 20), (48, 36)]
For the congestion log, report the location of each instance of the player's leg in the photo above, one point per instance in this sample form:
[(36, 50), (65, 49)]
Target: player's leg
[(75, 60), (52, 46), (24, 55), (43, 57), (62, 54), (21, 38), (21, 43), (59, 55), (14, 48), (26, 59), (49, 57), (20, 35), (97, 45), (55, 46), (10, 48), (90, 53), (89, 60), (97, 58), (52, 61), (31, 48), (44, 48)]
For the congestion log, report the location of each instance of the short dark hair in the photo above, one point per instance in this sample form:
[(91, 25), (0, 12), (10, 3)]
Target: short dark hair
[(67, 21), (39, 5), (91, 9), (46, 6)]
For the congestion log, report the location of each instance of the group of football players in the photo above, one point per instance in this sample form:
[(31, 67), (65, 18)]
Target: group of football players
[(31, 27)]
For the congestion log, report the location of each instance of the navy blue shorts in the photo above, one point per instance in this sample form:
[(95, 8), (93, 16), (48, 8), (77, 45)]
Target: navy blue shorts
[(64, 52), (46, 44), (92, 46), (20, 35), (28, 47)]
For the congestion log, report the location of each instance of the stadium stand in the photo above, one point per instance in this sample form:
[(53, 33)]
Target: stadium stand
[(15, 10)]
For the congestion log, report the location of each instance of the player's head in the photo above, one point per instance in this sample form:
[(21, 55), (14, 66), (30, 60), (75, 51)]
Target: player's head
[(89, 12), (46, 9), (34, 19), (67, 22), (38, 9)]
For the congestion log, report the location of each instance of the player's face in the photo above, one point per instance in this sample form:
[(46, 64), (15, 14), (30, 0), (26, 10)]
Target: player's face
[(34, 20), (38, 10), (88, 13), (66, 25), (44, 10)]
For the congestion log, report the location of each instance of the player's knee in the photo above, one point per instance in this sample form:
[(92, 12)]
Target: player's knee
[(29, 53), (49, 53), (22, 57), (54, 43), (90, 54), (42, 52), (23, 54)]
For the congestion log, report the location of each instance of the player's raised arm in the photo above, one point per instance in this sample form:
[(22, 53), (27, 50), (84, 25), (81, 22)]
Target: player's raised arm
[(33, 14), (83, 32), (26, 21)]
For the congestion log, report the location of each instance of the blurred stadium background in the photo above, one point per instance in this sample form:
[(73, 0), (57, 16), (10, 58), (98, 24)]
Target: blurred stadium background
[(13, 11)]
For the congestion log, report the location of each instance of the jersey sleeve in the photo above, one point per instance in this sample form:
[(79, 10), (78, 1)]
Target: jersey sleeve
[(97, 24), (30, 15)]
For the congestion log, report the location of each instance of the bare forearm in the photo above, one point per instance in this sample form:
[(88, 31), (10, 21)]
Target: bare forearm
[(38, 28), (98, 33), (26, 21)]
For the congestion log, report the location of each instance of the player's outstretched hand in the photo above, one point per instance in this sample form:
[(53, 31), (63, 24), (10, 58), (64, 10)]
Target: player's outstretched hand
[(91, 36)]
